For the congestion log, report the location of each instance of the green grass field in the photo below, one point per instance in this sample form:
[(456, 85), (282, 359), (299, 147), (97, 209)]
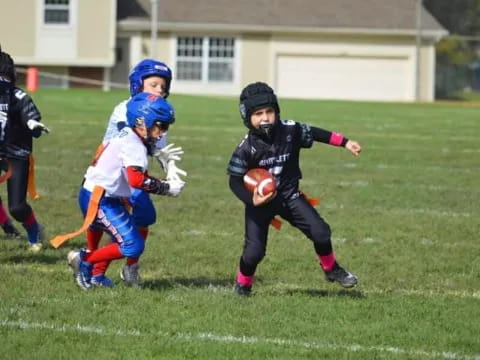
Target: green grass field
[(405, 219)]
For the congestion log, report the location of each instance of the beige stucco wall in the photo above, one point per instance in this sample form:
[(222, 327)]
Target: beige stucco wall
[(427, 73), (255, 59), (17, 28), (342, 46), (88, 41), (163, 47), (96, 30)]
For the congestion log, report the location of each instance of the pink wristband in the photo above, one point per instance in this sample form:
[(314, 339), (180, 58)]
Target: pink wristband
[(336, 139)]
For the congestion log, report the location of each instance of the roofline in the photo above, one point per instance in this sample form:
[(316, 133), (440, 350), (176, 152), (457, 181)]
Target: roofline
[(32, 60), (138, 24)]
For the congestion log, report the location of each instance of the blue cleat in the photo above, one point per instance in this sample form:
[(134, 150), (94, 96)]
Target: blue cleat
[(82, 270), (102, 281)]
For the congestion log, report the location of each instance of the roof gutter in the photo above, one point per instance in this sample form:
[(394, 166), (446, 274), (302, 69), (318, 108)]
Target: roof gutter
[(144, 25)]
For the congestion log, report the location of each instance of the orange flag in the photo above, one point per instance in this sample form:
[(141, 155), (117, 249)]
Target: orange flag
[(92, 210)]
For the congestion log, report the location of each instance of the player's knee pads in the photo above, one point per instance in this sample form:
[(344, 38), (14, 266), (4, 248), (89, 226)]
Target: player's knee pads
[(320, 233), (20, 212), (132, 245), (115, 219)]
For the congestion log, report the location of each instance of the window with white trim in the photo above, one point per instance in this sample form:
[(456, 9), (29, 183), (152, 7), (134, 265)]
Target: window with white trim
[(56, 12), (205, 59)]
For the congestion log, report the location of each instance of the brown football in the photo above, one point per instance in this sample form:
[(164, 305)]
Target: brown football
[(260, 178)]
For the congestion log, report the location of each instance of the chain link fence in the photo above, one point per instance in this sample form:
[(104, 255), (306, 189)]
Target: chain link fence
[(457, 67)]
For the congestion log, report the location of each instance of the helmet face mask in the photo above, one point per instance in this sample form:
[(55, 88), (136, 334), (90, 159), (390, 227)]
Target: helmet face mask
[(147, 68)]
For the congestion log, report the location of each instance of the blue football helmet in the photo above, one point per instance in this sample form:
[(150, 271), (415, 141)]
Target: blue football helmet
[(146, 68), (147, 110)]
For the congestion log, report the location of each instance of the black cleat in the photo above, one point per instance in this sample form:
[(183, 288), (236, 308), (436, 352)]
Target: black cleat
[(341, 276), (242, 290), (10, 230)]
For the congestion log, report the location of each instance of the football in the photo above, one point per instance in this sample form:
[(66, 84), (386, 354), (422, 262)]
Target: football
[(260, 178)]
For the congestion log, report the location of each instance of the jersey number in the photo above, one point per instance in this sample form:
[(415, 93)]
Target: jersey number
[(3, 123)]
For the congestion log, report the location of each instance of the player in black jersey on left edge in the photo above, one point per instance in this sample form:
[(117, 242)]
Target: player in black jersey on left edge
[(19, 122), (275, 145)]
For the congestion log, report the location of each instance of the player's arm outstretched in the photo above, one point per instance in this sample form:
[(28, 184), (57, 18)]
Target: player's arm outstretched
[(335, 139)]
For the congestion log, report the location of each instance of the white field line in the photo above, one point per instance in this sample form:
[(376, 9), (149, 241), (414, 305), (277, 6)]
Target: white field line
[(218, 338)]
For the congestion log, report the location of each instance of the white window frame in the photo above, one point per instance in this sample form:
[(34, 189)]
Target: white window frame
[(46, 7), (206, 60)]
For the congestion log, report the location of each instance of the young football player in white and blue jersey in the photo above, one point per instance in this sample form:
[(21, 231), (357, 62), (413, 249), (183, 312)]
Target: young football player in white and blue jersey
[(153, 77), (116, 173)]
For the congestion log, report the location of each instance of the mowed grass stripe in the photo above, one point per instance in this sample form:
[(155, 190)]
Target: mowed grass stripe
[(221, 338), (150, 275)]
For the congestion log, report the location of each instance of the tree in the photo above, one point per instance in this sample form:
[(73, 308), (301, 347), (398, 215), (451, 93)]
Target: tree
[(461, 17)]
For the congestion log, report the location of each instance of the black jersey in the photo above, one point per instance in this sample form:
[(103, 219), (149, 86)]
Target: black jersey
[(16, 108), (280, 155)]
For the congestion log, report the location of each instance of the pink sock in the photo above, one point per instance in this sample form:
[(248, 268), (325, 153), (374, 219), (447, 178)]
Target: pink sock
[(3, 215), (245, 280), (327, 261), (30, 220)]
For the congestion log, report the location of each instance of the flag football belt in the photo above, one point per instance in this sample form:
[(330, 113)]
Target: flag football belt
[(90, 216), (277, 223), (6, 172)]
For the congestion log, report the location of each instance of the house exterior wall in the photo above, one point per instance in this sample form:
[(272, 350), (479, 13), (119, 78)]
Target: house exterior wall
[(19, 41), (88, 40), (259, 54), (96, 31), (427, 72), (255, 60), (372, 51)]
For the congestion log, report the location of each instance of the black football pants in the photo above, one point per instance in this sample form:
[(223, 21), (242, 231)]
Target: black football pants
[(298, 212), (17, 190)]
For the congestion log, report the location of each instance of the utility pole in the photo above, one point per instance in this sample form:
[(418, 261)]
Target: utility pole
[(153, 29), (418, 45)]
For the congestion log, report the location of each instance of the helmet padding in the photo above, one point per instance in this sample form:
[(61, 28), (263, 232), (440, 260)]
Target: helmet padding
[(7, 66), (256, 96)]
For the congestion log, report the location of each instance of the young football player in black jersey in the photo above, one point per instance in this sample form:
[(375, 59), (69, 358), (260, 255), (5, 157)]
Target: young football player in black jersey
[(19, 122), (275, 145)]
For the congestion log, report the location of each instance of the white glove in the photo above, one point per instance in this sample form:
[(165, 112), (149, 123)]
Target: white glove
[(173, 172), (34, 124), (175, 187), (164, 155)]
